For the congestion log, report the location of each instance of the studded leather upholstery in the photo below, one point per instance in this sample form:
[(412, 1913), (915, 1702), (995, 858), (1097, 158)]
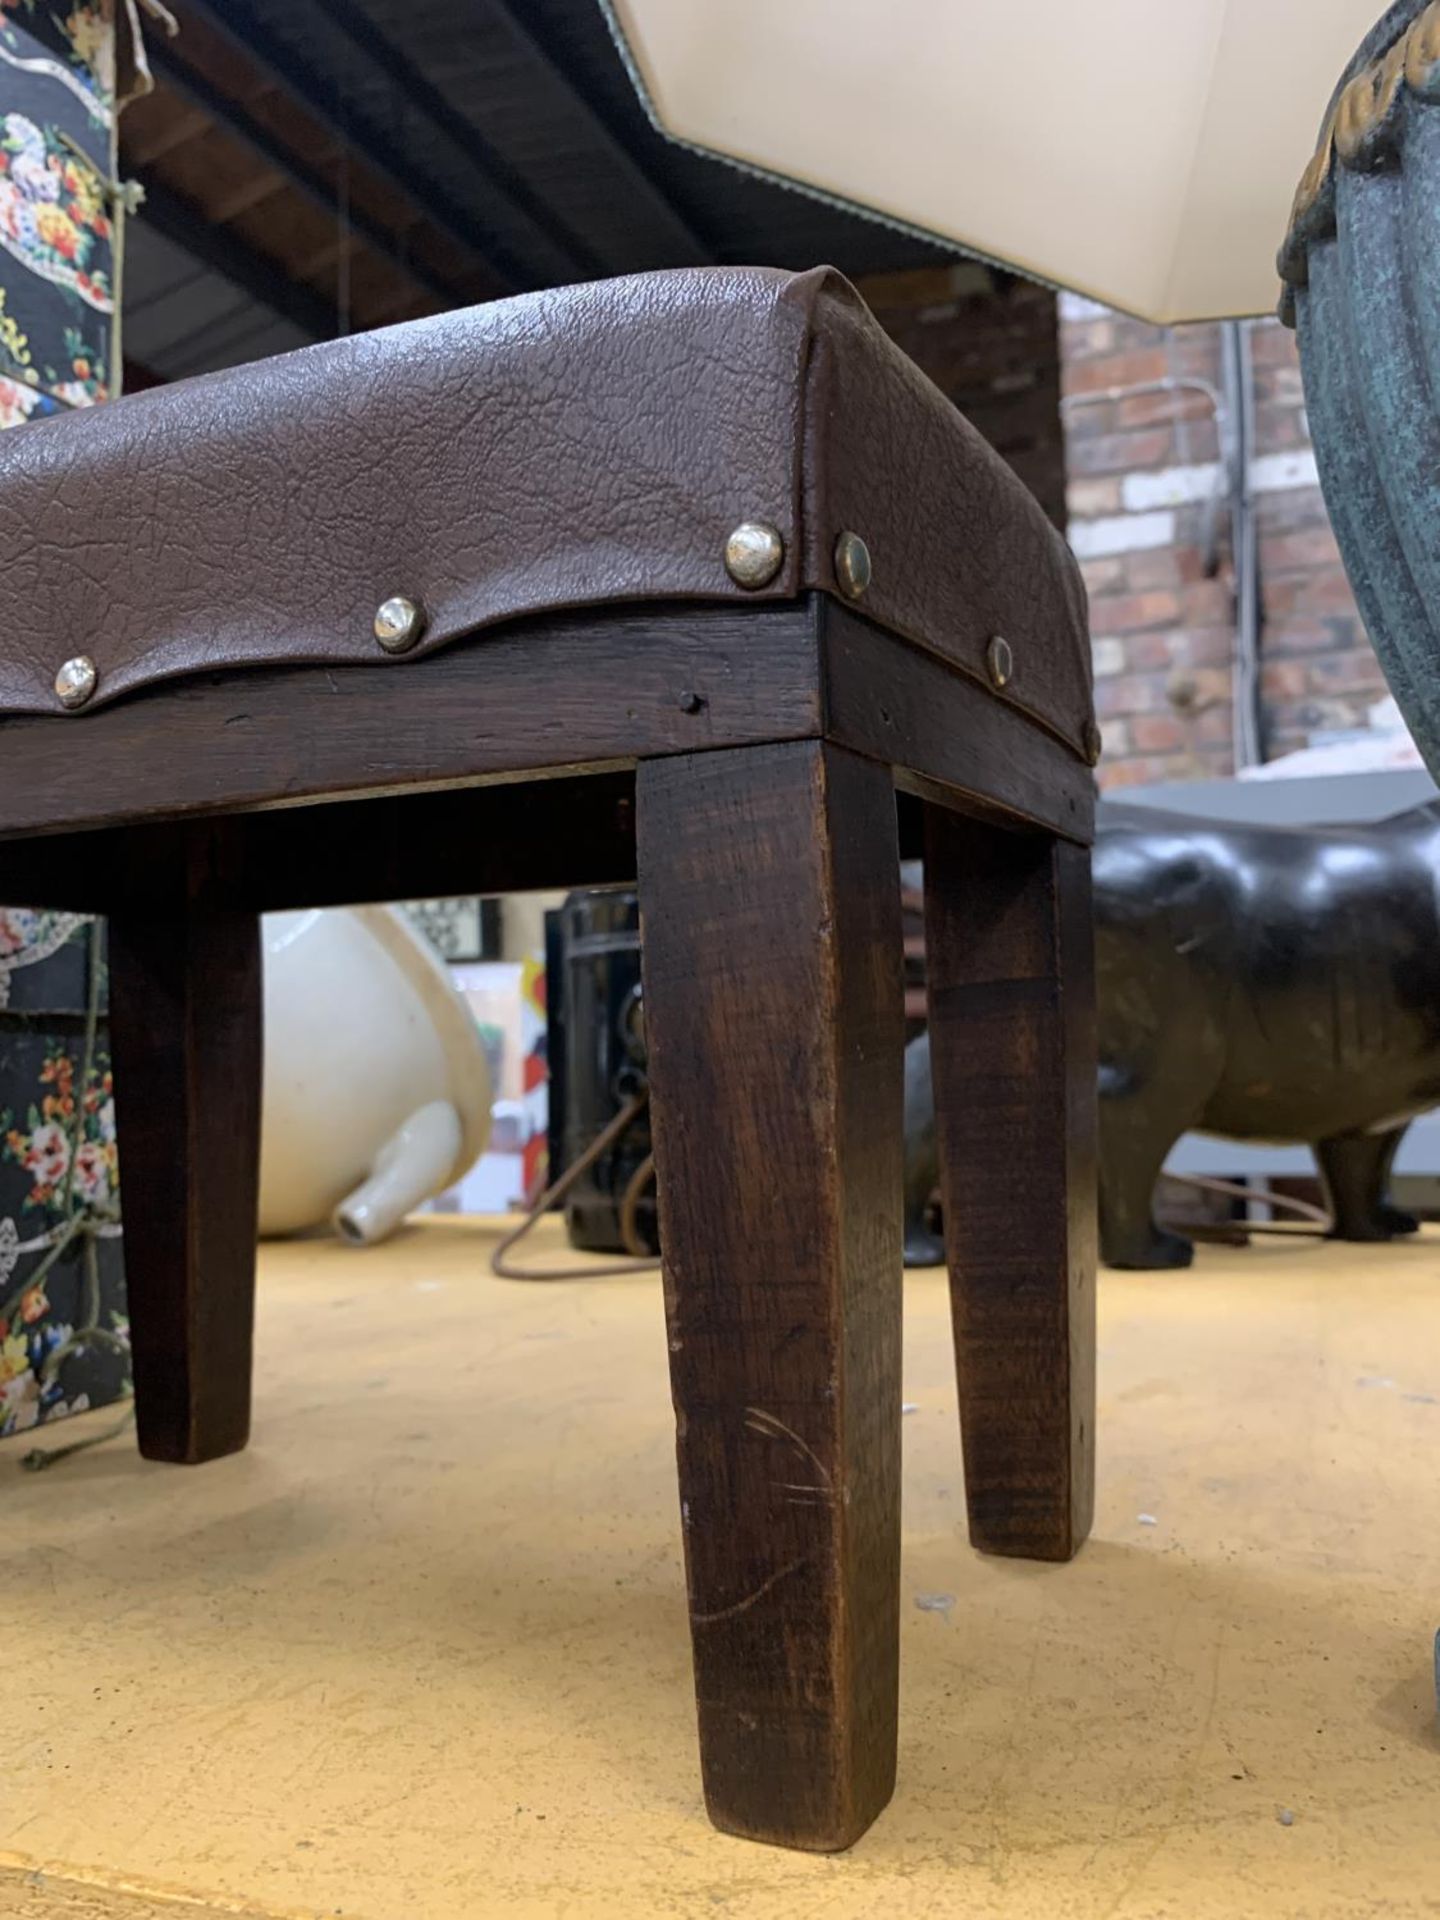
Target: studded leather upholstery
[(579, 447)]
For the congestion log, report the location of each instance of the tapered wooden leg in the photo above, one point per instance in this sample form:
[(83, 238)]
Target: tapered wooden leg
[(772, 953), (1010, 972), (185, 1021)]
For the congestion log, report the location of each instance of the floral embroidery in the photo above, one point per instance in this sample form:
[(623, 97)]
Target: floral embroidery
[(64, 1340), (19, 403), (26, 1394), (52, 211), (61, 1156), (57, 204), (86, 38)]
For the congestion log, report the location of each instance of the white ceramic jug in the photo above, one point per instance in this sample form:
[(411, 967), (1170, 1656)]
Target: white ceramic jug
[(377, 1089)]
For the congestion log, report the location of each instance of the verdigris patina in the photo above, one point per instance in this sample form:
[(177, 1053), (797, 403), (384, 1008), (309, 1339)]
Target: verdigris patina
[(1361, 266)]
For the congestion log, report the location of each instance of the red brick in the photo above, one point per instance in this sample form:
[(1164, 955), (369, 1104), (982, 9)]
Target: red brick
[(1327, 592), (1115, 775), (1085, 338), (1125, 693), (1181, 766), (1117, 578), (1285, 679), (1125, 612), (1281, 430), (1117, 452), (1194, 352), (1157, 732), (1085, 499), (1137, 336), (1142, 652), (1154, 567), (1194, 690), (1149, 652), (1203, 646), (1087, 420), (1298, 636), (1206, 603), (1104, 575), (1214, 727), (1272, 345), (1279, 387), (1117, 370), (1141, 771), (1166, 567), (1290, 507), (1161, 409), (1355, 672), (1304, 548)]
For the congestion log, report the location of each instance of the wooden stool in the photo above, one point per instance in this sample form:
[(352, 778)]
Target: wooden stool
[(694, 571)]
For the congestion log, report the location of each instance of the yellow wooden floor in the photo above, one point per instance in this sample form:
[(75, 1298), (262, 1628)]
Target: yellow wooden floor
[(420, 1654)]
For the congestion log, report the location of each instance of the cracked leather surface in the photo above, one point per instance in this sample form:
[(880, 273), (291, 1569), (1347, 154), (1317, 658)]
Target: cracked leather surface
[(584, 446)]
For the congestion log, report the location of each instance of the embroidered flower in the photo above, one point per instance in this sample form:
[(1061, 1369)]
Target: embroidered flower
[(47, 1154), (92, 1174), (59, 231)]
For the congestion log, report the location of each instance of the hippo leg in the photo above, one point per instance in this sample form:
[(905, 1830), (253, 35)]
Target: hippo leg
[(1134, 1140), (1356, 1170), (923, 1246)]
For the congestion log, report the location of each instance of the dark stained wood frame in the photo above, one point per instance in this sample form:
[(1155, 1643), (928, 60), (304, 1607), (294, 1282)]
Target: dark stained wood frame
[(756, 766)]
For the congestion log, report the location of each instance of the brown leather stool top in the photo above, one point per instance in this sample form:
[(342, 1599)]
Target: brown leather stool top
[(691, 572), (581, 447)]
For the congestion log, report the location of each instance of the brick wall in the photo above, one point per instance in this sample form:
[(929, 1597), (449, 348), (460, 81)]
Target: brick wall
[(1153, 539)]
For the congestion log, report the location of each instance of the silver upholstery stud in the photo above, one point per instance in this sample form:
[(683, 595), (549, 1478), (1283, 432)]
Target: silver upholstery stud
[(999, 661), (753, 554), (399, 623), (76, 681)]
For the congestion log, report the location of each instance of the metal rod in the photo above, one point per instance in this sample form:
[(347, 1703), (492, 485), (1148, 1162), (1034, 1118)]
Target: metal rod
[(1249, 614)]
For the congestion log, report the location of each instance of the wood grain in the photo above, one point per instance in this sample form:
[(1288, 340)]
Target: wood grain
[(946, 735), (578, 694), (185, 1024), (1010, 962), (577, 691), (773, 1016)]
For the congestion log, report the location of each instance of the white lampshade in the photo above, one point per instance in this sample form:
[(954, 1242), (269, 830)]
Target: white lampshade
[(1141, 151)]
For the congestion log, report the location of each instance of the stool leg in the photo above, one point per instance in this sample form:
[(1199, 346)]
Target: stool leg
[(773, 1017), (185, 1014), (1010, 971)]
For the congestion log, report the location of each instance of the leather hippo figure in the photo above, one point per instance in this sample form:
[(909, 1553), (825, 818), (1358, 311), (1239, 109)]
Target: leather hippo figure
[(1265, 983)]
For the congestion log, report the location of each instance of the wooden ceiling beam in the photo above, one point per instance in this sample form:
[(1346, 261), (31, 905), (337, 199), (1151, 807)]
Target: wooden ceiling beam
[(323, 258), (231, 115), (190, 228), (255, 193), (382, 156), (686, 244), (179, 133), (504, 181)]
